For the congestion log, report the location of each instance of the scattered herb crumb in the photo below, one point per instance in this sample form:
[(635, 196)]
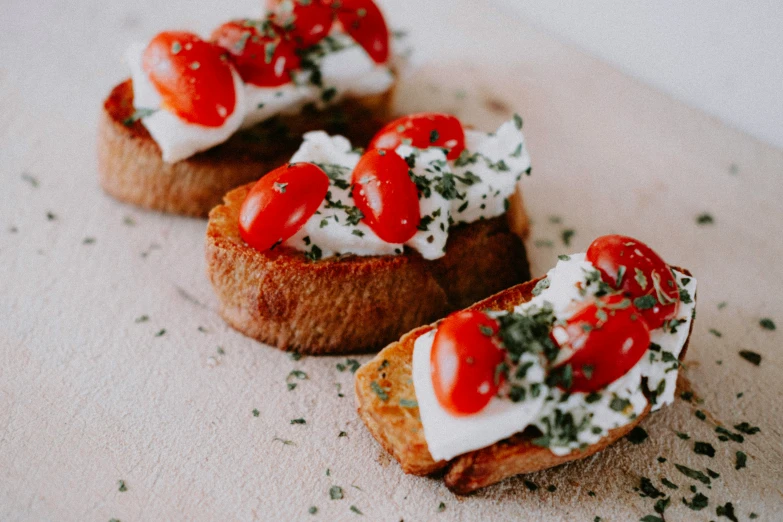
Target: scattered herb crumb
[(129, 221), (742, 460), (285, 442), (697, 503), (30, 179), (747, 429), (751, 357), (700, 415), (313, 510), (529, 484), (221, 351), (121, 486), (651, 518), (51, 216), (637, 435), (354, 508), (726, 510), (668, 483), (142, 319), (351, 364), (704, 219), (661, 459), (767, 323), (256, 413), (715, 332), (566, 236), (335, 493), (380, 392), (298, 421), (551, 488), (683, 436), (161, 332), (342, 434), (591, 493), (543, 243), (88, 241), (704, 448), (693, 474), (722, 305), (441, 507)]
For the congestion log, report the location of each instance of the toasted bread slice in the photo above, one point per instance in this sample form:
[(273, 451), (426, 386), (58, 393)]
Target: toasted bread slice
[(353, 303), (400, 432), (131, 168)]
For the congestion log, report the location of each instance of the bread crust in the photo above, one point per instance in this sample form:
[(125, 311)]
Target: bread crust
[(131, 168), (354, 303), (399, 430)]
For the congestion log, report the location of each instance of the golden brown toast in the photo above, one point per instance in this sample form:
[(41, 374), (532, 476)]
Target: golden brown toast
[(400, 432), (353, 303), (131, 168)]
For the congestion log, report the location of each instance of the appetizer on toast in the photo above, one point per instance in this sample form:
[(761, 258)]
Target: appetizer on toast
[(543, 373), (342, 250), (199, 117)]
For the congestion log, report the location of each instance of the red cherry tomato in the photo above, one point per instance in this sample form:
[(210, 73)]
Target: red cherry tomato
[(426, 129), (305, 22), (192, 77), (463, 362), (386, 195), (364, 22), (644, 275), (261, 56), (280, 203), (608, 337)]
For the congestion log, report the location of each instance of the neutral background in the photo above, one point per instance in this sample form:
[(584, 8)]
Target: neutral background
[(92, 393), (724, 57)]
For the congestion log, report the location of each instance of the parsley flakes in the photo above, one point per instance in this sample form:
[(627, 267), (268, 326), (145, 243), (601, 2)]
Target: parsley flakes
[(767, 324), (751, 357)]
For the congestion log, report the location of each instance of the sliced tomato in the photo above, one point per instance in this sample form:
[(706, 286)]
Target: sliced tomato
[(422, 130), (261, 56), (606, 337), (464, 360), (280, 203), (386, 195), (364, 22), (629, 265), (305, 22), (191, 76)]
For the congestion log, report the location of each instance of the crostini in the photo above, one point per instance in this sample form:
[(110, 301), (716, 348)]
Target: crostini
[(543, 373), (199, 117), (342, 250)]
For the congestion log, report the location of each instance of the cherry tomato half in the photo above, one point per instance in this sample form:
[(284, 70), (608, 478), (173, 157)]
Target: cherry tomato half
[(386, 195), (463, 362), (305, 22), (643, 275), (426, 129), (192, 77), (364, 22), (280, 203), (260, 55), (607, 336)]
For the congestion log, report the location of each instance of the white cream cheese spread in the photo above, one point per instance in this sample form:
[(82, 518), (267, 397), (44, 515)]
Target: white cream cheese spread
[(343, 68), (475, 186), (568, 421)]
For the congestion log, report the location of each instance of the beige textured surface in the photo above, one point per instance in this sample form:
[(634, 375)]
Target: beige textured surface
[(88, 396)]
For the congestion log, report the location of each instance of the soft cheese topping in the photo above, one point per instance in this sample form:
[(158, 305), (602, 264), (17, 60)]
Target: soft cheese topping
[(567, 421), (334, 68), (475, 186)]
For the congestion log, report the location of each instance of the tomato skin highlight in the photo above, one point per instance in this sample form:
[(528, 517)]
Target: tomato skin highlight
[(463, 362), (386, 195), (280, 203), (191, 76), (606, 348), (608, 253), (303, 23), (420, 129), (364, 22), (247, 48)]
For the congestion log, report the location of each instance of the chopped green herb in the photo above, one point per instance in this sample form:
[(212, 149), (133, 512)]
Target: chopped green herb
[(637, 435), (285, 442), (342, 434), (751, 357), (137, 115), (650, 518), (551, 488), (726, 510), (645, 302), (441, 507), (122, 487), (700, 415), (697, 503), (335, 493), (704, 219), (161, 332), (563, 257), (380, 392), (356, 510), (256, 413), (715, 332), (298, 421), (532, 486), (767, 323), (313, 510), (704, 448), (566, 236), (648, 490), (683, 436), (725, 435), (747, 429), (742, 460), (142, 319), (693, 474), (407, 403), (518, 121), (722, 305), (668, 483)]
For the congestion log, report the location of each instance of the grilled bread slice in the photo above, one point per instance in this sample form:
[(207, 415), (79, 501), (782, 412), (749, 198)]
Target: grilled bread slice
[(132, 170), (400, 432), (355, 303)]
